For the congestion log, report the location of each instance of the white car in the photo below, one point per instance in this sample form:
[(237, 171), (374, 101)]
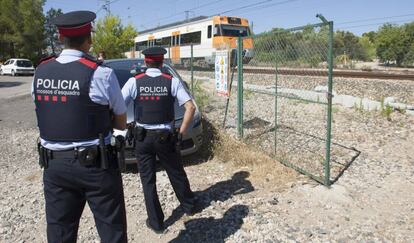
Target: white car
[(17, 66)]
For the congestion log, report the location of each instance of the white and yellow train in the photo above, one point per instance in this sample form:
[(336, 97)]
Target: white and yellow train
[(207, 34)]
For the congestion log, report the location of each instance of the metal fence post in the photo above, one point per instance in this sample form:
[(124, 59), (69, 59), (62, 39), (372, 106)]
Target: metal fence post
[(240, 87), (228, 97), (192, 69), (327, 168), (276, 77), (329, 116)]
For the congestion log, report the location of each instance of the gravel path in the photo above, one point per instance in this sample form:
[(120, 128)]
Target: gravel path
[(260, 202), (225, 189)]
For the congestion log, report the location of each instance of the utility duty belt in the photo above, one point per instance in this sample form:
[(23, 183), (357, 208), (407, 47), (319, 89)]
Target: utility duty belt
[(162, 135), (88, 156)]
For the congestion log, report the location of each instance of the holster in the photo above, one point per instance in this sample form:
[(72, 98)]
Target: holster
[(139, 133), (103, 152), (129, 137), (164, 137), (88, 156), (118, 144), (43, 156), (178, 138)]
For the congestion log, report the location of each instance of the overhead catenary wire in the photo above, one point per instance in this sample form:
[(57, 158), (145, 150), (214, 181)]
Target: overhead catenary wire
[(376, 24), (183, 12), (269, 3), (106, 6), (252, 5), (258, 4), (371, 19)]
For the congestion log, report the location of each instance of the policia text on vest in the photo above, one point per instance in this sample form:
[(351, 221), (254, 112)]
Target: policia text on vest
[(59, 87)]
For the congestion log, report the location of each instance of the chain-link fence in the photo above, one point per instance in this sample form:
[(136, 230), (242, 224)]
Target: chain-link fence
[(287, 102), (281, 102), (194, 67)]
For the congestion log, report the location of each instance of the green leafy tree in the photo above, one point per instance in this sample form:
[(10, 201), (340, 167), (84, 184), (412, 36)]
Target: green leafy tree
[(346, 43), (51, 32), (368, 47), (408, 60), (112, 37), (306, 48), (21, 29), (392, 44), (8, 29), (372, 35)]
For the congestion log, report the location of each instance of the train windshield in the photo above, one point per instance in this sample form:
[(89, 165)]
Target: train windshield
[(231, 30)]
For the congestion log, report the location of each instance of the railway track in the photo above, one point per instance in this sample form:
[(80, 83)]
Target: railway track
[(322, 73), (336, 73)]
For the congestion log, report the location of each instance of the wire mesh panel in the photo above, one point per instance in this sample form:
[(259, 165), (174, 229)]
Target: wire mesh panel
[(287, 100), (195, 64)]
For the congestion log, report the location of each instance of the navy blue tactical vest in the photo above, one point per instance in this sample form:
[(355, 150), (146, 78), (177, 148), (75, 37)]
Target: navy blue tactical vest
[(65, 112), (154, 103)]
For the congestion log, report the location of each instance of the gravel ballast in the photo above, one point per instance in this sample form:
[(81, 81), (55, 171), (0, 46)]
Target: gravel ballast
[(260, 202)]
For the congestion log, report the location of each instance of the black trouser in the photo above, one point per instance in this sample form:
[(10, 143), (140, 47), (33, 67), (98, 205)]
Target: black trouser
[(69, 185), (146, 151)]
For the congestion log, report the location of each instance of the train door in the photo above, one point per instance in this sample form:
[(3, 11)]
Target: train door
[(175, 47), (151, 41)]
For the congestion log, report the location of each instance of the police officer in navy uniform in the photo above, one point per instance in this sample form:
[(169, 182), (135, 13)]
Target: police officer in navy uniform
[(153, 94), (78, 102)]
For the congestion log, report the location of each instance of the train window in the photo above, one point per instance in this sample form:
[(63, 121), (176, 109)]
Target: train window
[(166, 41), (142, 45), (194, 38), (233, 20), (175, 41), (209, 31), (232, 30), (217, 31)]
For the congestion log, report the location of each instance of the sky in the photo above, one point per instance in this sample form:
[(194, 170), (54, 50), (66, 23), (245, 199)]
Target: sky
[(357, 16)]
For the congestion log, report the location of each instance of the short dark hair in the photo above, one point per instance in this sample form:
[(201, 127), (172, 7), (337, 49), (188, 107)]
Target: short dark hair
[(154, 64), (76, 41)]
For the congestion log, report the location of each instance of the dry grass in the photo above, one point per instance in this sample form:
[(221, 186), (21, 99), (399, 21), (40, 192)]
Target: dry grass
[(263, 169)]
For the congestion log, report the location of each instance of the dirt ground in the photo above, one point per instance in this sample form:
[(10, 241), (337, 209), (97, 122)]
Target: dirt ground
[(246, 196)]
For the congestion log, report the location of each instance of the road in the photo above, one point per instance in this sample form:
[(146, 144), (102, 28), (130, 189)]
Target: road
[(11, 87), (16, 106)]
